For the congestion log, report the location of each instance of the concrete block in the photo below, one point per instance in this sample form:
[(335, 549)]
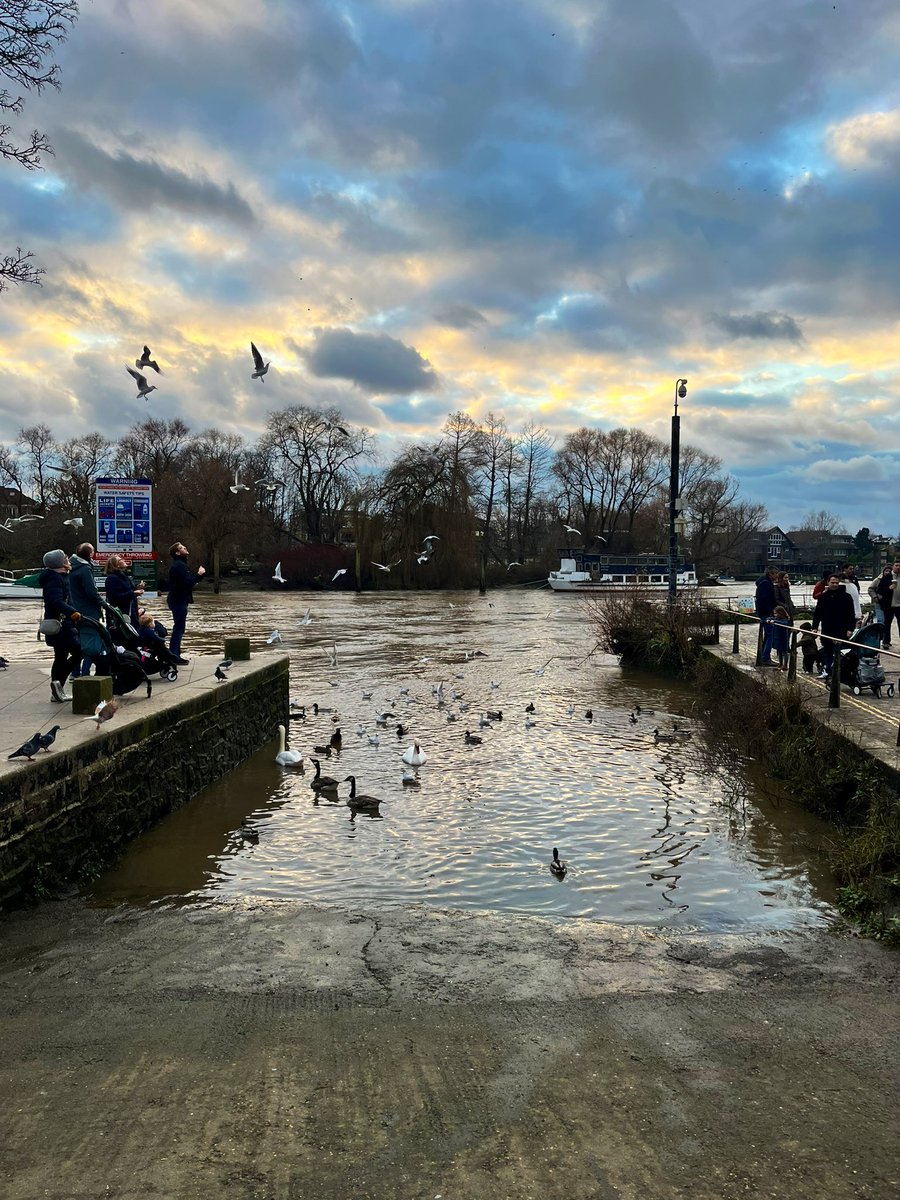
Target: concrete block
[(237, 648), (88, 691)]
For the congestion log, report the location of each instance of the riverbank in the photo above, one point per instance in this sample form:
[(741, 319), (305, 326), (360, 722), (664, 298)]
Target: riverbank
[(270, 1051)]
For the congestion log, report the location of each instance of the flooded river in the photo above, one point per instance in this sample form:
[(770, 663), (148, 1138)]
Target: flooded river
[(645, 830)]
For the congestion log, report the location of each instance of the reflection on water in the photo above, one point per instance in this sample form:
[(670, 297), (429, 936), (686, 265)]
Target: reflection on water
[(642, 829)]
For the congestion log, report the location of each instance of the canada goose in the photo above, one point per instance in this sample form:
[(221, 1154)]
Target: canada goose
[(557, 866), (664, 737), (473, 739), (336, 739), (320, 782), (287, 758), (361, 803), (414, 756)]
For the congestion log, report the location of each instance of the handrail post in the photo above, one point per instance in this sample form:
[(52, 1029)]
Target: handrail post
[(834, 694), (792, 658), (716, 624), (759, 645), (736, 641)]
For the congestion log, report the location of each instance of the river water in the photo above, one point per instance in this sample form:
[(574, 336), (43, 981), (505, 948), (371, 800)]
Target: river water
[(650, 834)]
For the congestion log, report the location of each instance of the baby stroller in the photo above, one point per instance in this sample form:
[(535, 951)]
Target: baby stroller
[(125, 667), (124, 634), (860, 665)]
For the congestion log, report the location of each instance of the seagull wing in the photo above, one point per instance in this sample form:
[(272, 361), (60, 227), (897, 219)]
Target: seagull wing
[(257, 357), (140, 379), (380, 566), (395, 563)]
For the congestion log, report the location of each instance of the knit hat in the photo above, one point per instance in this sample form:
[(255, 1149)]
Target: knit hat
[(54, 559)]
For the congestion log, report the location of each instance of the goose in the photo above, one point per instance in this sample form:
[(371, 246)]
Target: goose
[(472, 739), (664, 737), (557, 866), (361, 803), (320, 782), (146, 361), (410, 778), (143, 388), (287, 758), (237, 486), (259, 366), (414, 756)]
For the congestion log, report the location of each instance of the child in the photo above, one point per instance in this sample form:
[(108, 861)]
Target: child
[(809, 648), (781, 624)]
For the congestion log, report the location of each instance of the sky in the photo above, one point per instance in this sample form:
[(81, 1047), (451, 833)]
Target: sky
[(548, 209)]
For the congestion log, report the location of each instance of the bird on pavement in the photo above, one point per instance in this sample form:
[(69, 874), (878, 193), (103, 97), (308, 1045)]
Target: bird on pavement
[(146, 361), (220, 675), (28, 749), (48, 738), (143, 388), (104, 711), (259, 366)]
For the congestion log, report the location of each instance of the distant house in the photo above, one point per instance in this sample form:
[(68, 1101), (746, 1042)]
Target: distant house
[(818, 550), (14, 503), (769, 548)]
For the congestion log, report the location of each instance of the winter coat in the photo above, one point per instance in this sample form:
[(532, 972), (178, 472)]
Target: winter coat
[(783, 597), (120, 594), (58, 606), (84, 595), (765, 597), (181, 584), (834, 613), (882, 589)]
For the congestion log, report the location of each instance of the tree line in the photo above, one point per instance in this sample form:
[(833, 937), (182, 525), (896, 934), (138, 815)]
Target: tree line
[(493, 495)]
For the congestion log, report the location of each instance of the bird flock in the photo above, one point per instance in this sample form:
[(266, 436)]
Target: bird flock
[(147, 362)]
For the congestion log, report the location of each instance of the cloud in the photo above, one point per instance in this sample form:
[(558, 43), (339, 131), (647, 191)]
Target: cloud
[(459, 316), (776, 326), (143, 183), (862, 468), (374, 361), (867, 140)]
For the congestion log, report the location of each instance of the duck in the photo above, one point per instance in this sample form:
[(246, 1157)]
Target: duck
[(336, 739), (473, 739), (494, 716), (361, 803), (320, 782), (414, 756), (589, 715), (529, 708), (648, 712), (557, 866), (401, 730), (664, 737), (632, 718), (287, 758), (326, 750)]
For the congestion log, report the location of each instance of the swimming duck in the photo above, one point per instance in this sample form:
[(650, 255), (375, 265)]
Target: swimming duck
[(529, 708), (664, 737), (320, 782), (361, 803), (287, 758), (494, 716), (326, 750), (473, 739), (589, 715), (401, 730), (557, 866), (414, 756)]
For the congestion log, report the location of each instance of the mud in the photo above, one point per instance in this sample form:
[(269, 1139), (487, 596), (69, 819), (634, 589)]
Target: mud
[(285, 1051)]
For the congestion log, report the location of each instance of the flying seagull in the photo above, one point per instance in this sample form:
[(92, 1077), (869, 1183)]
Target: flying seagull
[(75, 522), (341, 571), (237, 486), (509, 566), (24, 520), (146, 361), (569, 529), (144, 389), (306, 619), (278, 575), (104, 711), (389, 567), (268, 485), (260, 367), (273, 637), (432, 537)]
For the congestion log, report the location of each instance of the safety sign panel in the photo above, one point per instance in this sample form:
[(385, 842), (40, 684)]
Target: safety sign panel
[(124, 517)]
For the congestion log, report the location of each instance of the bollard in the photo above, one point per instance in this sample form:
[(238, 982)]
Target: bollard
[(88, 691), (237, 648), (834, 694), (759, 645), (792, 658), (736, 641)]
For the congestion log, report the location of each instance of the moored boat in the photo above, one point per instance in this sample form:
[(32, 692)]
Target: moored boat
[(584, 571), (19, 585)]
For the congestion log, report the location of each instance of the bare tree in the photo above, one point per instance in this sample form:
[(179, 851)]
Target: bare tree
[(81, 461), (38, 449), (822, 521), (30, 31)]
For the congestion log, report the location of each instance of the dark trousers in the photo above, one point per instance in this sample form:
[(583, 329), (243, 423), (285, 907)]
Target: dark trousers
[(888, 615), (179, 620), (65, 660)]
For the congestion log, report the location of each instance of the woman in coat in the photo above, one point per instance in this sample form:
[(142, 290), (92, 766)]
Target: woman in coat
[(58, 607), (85, 597), (121, 592), (783, 595)]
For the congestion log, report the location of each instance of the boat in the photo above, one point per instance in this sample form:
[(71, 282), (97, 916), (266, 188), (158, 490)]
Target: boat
[(20, 585), (585, 571)]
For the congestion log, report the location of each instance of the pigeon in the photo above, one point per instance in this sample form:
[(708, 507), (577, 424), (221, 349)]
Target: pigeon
[(48, 738), (143, 389), (237, 486), (28, 749), (104, 711), (389, 567), (75, 522), (260, 367), (220, 675), (273, 637), (341, 571), (146, 361), (278, 575), (4, 663)]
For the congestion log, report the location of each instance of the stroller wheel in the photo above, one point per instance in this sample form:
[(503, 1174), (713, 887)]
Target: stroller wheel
[(857, 691), (890, 689), (171, 674), (876, 690)]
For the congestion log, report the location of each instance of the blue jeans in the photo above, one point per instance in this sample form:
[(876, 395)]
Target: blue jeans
[(179, 620), (768, 638)]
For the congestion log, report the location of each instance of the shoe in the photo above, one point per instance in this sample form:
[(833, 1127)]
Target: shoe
[(182, 662), (58, 692)]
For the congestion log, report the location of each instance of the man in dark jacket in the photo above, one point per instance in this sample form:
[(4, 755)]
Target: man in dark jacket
[(58, 607), (765, 607), (836, 615), (181, 594)]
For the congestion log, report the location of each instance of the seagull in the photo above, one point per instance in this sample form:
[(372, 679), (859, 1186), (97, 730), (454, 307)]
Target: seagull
[(278, 575), (104, 711), (331, 655), (260, 367), (389, 567), (410, 778), (146, 361), (24, 520), (432, 537), (237, 486), (423, 558), (30, 748), (306, 619), (374, 739), (509, 566), (341, 571), (569, 529), (143, 389), (598, 538), (529, 724), (75, 522), (220, 675), (268, 485), (273, 637), (226, 664)]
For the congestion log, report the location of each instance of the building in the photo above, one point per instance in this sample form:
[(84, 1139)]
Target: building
[(14, 503), (818, 550)]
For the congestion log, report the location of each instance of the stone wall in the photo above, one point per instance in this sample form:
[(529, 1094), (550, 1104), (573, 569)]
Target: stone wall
[(71, 812)]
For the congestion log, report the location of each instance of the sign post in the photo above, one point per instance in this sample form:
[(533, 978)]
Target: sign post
[(125, 526)]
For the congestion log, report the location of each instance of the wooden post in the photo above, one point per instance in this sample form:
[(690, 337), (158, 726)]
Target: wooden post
[(792, 659), (834, 694), (759, 644), (736, 642)]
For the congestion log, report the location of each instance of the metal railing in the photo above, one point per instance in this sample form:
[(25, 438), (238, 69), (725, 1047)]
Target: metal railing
[(834, 679)]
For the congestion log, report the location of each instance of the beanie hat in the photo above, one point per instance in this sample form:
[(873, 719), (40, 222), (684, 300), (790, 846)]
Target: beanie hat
[(54, 559)]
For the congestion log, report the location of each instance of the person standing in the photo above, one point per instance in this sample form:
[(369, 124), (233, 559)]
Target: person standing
[(836, 615), (85, 597), (894, 611), (58, 607), (181, 593), (881, 592), (783, 594), (121, 591), (765, 607)]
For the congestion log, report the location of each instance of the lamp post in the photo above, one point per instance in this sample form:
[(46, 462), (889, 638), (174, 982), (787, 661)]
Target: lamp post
[(674, 498)]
